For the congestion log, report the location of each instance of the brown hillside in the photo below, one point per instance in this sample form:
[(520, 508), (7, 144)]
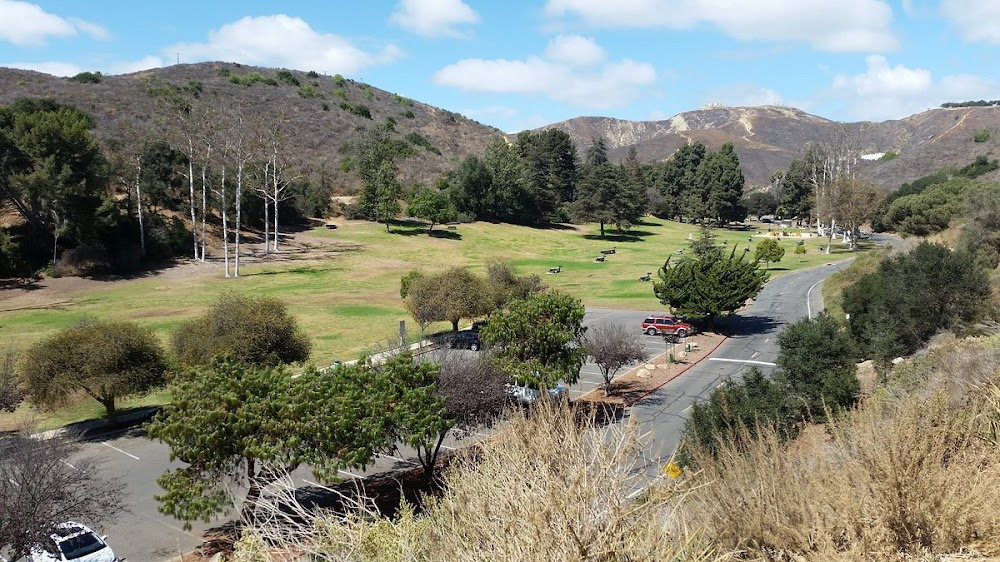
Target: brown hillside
[(768, 138), (321, 127)]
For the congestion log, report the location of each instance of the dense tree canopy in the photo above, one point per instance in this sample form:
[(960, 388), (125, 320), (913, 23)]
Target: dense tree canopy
[(910, 297), (254, 330), (537, 340), (53, 172), (450, 295), (709, 286), (106, 360), (818, 362), (254, 425)]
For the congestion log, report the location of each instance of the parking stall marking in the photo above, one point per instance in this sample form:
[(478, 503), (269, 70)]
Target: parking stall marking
[(106, 444)]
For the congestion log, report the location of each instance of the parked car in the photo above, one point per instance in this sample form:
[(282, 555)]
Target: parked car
[(479, 325), (465, 339), (529, 395), (75, 542), (660, 324)]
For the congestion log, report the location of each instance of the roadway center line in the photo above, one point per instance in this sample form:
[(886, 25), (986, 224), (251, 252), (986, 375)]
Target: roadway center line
[(311, 483), (748, 361), (809, 309), (106, 444)]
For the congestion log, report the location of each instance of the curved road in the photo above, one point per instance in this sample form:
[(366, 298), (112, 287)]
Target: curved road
[(783, 300)]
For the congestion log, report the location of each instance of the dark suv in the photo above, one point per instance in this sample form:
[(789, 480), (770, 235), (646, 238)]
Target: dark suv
[(666, 324), (465, 339)]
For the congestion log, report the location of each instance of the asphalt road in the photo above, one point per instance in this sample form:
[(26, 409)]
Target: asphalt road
[(143, 535), (753, 342)]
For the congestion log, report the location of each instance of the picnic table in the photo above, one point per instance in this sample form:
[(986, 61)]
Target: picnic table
[(606, 252), (555, 269)]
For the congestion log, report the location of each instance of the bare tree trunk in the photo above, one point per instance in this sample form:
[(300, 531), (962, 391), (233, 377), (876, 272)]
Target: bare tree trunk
[(267, 207), (239, 206), (138, 197), (225, 223), (204, 200), (277, 196), (194, 218)]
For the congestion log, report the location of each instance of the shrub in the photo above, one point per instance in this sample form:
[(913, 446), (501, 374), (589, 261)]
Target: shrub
[(361, 111), (309, 91), (982, 135), (339, 80), (287, 77), (87, 78), (889, 156), (248, 329), (312, 74)]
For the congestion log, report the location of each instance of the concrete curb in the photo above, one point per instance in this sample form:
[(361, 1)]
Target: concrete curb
[(677, 374), (95, 428)]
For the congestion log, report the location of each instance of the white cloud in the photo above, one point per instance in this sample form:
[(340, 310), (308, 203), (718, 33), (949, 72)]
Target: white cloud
[(978, 20), (574, 50), (92, 29), (557, 76), (827, 25), (54, 68), (27, 25), (744, 95), (891, 92), (433, 18), (280, 40)]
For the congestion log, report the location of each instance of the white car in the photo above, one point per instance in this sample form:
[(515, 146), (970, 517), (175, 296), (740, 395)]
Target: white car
[(528, 395), (75, 542)]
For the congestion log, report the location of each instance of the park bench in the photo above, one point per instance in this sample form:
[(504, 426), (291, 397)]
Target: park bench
[(331, 226), (452, 227), (555, 269), (606, 252), (600, 258), (647, 277)]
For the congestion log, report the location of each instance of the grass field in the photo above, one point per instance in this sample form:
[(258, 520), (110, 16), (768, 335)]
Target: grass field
[(349, 302)]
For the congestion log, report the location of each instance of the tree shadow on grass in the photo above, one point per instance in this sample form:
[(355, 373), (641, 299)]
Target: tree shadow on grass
[(422, 231), (629, 236)]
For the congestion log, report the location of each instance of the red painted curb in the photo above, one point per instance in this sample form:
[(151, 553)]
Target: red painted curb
[(679, 373)]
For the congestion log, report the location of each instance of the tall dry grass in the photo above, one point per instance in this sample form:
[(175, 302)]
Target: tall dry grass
[(546, 489), (915, 473)]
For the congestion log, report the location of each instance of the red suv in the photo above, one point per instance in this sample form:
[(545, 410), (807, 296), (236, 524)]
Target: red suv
[(665, 324)]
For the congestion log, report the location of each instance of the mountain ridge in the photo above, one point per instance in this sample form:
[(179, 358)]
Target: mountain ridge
[(325, 113)]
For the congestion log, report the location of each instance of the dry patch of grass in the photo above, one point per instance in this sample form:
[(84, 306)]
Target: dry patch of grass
[(913, 474)]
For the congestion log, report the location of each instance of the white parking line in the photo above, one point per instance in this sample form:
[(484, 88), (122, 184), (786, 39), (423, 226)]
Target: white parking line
[(748, 361), (311, 483), (351, 474), (398, 459), (67, 464), (106, 444), (688, 409), (447, 447)]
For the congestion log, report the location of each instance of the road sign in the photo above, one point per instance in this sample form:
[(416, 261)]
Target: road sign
[(672, 470)]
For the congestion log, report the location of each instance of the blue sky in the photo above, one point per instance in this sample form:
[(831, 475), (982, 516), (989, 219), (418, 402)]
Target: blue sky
[(520, 64)]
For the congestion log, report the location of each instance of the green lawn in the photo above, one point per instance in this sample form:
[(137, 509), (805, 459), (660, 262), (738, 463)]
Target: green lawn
[(350, 303)]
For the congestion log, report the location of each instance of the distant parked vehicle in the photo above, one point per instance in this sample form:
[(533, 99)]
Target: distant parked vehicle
[(465, 339), (530, 395), (661, 324), (74, 542), (479, 325)]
